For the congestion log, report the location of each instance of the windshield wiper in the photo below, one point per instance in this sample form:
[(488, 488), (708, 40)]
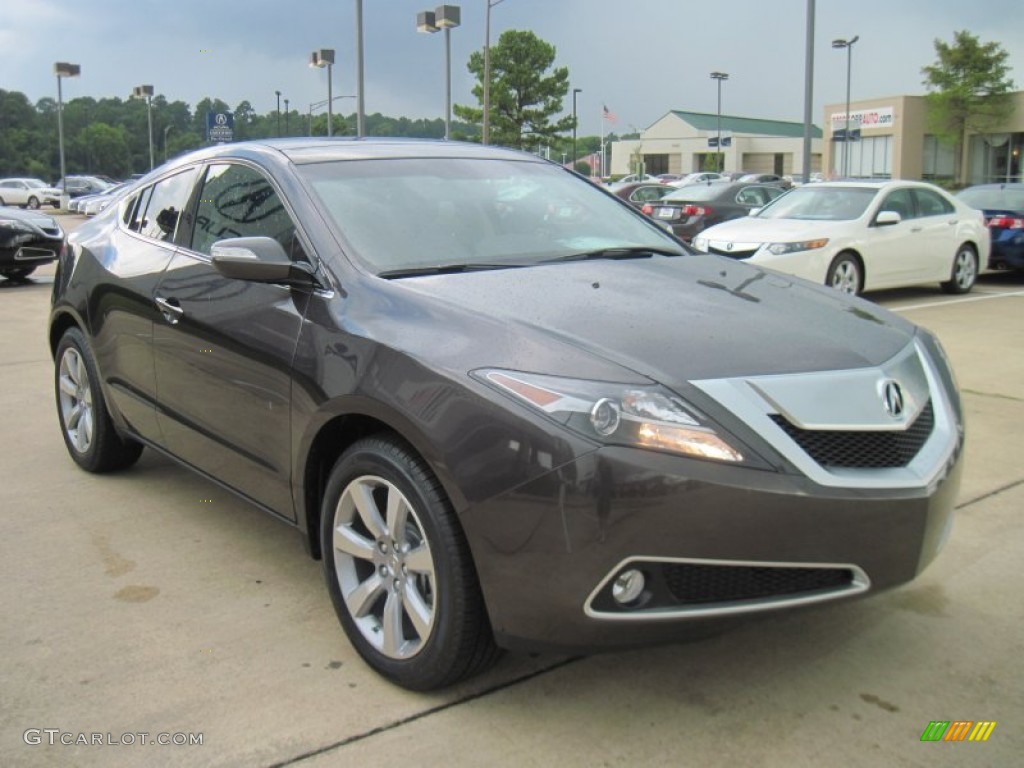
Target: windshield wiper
[(444, 269), (630, 252)]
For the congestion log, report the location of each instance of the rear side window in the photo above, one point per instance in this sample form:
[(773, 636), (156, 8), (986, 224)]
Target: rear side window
[(160, 206), (239, 201), (931, 203)]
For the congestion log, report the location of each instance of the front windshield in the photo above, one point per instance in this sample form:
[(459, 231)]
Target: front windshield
[(409, 213), (994, 198), (34, 183), (820, 204)]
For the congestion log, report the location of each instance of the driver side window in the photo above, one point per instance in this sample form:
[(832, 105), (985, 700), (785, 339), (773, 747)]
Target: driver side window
[(239, 201), (900, 201)]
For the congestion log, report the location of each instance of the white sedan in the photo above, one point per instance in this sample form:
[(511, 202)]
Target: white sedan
[(861, 236)]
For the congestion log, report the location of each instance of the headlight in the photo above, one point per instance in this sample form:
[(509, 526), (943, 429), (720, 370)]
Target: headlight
[(641, 416), (700, 243), (778, 249)]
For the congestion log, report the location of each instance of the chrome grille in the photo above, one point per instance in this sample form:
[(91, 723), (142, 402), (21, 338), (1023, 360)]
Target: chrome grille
[(735, 254), (862, 450)]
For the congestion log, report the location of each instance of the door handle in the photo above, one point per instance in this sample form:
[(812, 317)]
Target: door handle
[(952, 223), (170, 309), (915, 229)]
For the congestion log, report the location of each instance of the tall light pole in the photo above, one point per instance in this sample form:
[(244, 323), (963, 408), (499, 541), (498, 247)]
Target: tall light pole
[(325, 58), (286, 113), (720, 76), (318, 104), (278, 94), (445, 17), (848, 45), (808, 89), (574, 92), (360, 87), (146, 92), (486, 133), (63, 69)]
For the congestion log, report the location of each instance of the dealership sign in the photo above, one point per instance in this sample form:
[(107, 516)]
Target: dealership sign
[(882, 117), (220, 126)]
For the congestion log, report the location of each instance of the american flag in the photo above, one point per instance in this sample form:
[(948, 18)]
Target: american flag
[(611, 117)]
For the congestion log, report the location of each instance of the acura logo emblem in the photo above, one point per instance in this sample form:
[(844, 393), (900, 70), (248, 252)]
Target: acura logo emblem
[(728, 246), (892, 398)]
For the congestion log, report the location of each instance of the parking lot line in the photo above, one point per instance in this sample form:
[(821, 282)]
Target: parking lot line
[(930, 304)]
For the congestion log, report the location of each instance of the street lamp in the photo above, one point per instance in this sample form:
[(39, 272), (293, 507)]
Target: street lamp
[(574, 92), (318, 104), (286, 112), (325, 58), (848, 45), (360, 86), (486, 133), (63, 69), (445, 17), (146, 92), (278, 94), (720, 76)]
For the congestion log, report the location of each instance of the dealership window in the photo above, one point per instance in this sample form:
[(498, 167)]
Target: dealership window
[(870, 157), (656, 164), (939, 161), (995, 157)]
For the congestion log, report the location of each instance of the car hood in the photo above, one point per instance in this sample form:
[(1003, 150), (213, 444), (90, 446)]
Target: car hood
[(34, 219), (672, 320), (754, 229)]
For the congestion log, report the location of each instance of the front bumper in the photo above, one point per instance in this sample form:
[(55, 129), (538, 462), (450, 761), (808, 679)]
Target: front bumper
[(545, 550)]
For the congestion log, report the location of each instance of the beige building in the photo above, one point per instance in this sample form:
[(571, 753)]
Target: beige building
[(683, 142), (890, 139)]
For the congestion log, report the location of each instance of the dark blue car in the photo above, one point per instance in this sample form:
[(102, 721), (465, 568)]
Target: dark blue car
[(1003, 206)]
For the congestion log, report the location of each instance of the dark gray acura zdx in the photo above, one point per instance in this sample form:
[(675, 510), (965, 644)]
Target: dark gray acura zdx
[(505, 408)]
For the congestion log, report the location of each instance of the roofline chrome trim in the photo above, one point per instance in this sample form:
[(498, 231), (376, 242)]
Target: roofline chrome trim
[(860, 584)]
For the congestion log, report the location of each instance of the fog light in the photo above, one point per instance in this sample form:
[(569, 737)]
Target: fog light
[(604, 416), (628, 586)]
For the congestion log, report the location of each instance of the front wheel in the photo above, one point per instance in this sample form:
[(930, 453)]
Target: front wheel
[(88, 430), (398, 569), (964, 272), (844, 274), (33, 203)]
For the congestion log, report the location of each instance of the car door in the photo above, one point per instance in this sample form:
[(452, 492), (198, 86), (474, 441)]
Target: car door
[(121, 310), (224, 348), (13, 192), (937, 219), (893, 252)]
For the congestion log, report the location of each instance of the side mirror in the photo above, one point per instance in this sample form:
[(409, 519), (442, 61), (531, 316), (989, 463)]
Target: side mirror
[(259, 260), (887, 218)]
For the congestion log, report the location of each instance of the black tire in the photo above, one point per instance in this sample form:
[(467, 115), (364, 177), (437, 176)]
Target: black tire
[(964, 273), (89, 433), (17, 273), (439, 632), (33, 203), (845, 274)]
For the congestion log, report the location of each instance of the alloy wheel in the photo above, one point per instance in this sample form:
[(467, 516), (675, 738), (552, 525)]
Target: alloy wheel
[(76, 400), (846, 278), (384, 567)]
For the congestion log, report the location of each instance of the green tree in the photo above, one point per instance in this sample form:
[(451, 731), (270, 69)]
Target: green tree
[(524, 100), (969, 91)]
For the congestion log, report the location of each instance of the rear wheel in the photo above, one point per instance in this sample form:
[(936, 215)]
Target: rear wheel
[(965, 271), (88, 430), (844, 274), (398, 569)]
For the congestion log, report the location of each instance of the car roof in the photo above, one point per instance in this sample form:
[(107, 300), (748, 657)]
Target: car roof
[(306, 150), (872, 184)]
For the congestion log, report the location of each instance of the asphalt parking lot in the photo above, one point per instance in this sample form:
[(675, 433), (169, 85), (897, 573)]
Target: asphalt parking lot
[(153, 602)]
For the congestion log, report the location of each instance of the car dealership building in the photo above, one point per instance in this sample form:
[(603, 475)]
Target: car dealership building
[(889, 138)]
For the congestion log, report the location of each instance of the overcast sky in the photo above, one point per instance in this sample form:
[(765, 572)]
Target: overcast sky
[(641, 58)]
